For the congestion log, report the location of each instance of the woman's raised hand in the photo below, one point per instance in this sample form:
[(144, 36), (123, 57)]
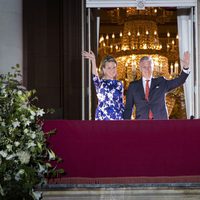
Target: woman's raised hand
[(89, 55)]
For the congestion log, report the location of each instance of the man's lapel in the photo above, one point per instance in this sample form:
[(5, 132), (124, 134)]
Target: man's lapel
[(153, 85), (141, 89)]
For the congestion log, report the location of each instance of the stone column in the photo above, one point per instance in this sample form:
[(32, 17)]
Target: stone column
[(10, 34), (197, 73)]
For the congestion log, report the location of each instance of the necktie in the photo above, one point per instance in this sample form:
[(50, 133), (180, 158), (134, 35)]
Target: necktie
[(147, 98), (147, 90)]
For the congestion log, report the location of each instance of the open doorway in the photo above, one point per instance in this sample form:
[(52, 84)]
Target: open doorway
[(127, 33)]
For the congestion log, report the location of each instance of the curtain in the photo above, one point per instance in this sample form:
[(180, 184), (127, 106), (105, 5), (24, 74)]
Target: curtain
[(185, 33)]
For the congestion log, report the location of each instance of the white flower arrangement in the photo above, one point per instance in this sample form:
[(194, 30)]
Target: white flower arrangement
[(24, 155)]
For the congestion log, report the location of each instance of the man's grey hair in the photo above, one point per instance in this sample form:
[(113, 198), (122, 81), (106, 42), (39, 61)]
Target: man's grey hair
[(147, 58)]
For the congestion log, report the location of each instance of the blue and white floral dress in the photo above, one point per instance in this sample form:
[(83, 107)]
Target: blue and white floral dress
[(110, 99)]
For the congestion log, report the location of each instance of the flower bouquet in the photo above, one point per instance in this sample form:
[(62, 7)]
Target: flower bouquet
[(24, 154)]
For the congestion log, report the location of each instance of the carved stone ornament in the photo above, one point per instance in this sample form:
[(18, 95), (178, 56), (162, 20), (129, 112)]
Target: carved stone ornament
[(140, 4)]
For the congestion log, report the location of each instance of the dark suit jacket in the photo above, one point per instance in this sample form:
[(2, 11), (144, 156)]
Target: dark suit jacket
[(159, 87)]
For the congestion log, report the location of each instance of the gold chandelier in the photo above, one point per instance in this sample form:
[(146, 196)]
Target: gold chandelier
[(140, 35)]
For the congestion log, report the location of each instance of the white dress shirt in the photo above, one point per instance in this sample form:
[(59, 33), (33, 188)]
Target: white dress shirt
[(187, 71)]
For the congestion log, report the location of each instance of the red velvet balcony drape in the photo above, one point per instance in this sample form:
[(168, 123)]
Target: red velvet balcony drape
[(140, 148)]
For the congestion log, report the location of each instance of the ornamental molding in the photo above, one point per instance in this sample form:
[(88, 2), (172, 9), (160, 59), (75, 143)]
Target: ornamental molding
[(140, 4)]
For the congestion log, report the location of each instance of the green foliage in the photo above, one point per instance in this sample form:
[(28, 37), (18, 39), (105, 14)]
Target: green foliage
[(24, 154)]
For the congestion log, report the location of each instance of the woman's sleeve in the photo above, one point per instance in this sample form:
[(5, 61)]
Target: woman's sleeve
[(96, 81), (122, 94), (122, 91)]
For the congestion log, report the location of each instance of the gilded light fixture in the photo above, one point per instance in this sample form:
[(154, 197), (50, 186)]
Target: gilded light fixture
[(139, 38), (140, 35)]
